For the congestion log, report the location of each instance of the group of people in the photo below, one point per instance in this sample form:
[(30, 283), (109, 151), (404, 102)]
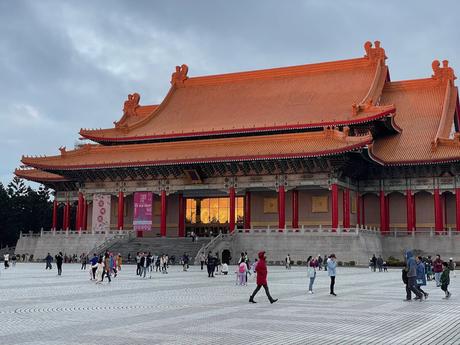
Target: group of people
[(418, 270), (6, 260), (313, 264), (379, 263), (147, 262), (103, 266)]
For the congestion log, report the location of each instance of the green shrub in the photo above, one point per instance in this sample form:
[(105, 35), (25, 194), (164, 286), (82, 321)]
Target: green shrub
[(352, 263), (394, 262), (340, 263), (299, 262)]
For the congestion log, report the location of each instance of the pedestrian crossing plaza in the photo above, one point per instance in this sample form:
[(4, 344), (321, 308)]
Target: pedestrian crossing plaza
[(39, 307)]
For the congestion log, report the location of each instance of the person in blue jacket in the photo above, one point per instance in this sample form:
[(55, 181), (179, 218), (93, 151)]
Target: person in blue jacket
[(421, 276), (411, 268)]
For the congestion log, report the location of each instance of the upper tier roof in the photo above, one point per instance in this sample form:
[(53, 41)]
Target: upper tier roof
[(427, 111), (316, 95), (38, 175), (311, 144)]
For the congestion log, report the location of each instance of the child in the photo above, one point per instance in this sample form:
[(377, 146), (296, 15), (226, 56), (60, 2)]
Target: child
[(445, 279), (224, 269), (242, 273), (385, 266)]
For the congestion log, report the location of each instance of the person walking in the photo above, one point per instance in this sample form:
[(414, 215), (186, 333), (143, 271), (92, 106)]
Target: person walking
[(49, 260), (421, 277), (99, 270), (288, 262), (325, 262), (320, 262), (437, 269), (138, 263), (106, 267), (202, 260), (185, 262), (374, 263), (210, 265), (119, 260), (6, 260), (331, 272), (445, 280), (94, 264), (311, 273), (411, 286), (261, 270), (59, 259), (13, 260), (380, 263), (452, 265), (83, 260)]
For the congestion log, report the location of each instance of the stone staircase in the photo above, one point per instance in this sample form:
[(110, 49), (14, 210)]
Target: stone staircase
[(171, 246)]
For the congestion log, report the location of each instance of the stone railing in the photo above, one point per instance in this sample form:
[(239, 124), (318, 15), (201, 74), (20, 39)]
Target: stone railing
[(42, 233), (206, 246), (306, 230)]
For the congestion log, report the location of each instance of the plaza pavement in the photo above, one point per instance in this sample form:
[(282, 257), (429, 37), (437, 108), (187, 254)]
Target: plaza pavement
[(38, 307)]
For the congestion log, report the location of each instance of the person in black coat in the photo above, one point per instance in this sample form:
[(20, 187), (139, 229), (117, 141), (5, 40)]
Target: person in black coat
[(59, 259), (210, 264)]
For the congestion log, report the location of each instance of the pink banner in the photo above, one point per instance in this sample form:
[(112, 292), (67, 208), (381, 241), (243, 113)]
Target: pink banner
[(142, 220)]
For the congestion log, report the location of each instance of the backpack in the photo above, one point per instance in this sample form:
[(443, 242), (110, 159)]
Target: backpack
[(242, 267)]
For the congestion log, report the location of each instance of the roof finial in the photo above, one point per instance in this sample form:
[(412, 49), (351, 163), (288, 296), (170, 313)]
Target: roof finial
[(442, 73), (376, 53), (180, 75), (131, 104), (63, 150)]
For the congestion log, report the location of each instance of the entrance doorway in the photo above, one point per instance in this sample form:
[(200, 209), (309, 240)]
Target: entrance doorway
[(210, 216), (226, 256)]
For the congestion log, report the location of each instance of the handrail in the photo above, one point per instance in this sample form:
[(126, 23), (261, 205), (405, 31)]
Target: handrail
[(204, 248)]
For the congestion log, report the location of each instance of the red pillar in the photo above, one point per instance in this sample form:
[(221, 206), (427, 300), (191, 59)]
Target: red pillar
[(457, 208), (438, 226), (85, 215), (383, 212), (281, 208), (295, 209), (335, 206), (67, 215), (346, 208), (232, 209), (247, 210), (414, 219), (163, 214), (55, 206), (387, 215), (358, 209), (181, 220), (121, 210), (64, 217), (410, 211), (79, 220)]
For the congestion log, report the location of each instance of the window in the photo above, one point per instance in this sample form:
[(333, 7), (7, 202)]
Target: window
[(213, 210)]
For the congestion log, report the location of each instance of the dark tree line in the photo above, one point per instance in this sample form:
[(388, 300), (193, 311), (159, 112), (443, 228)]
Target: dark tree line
[(23, 209)]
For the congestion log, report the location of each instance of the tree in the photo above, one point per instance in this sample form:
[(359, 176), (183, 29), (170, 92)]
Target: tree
[(23, 209)]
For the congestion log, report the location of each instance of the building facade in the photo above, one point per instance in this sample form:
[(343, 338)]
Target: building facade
[(334, 144)]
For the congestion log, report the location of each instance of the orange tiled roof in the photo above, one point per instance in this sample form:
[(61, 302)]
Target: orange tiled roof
[(37, 175), (425, 111), (325, 142), (315, 95)]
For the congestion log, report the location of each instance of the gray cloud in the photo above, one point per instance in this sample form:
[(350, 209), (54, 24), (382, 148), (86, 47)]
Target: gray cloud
[(68, 64)]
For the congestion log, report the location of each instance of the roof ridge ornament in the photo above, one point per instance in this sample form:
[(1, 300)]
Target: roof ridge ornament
[(179, 76), (376, 53), (63, 150), (442, 73), (131, 104)]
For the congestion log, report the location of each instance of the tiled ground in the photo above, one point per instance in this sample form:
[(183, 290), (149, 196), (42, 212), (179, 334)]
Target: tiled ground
[(37, 307)]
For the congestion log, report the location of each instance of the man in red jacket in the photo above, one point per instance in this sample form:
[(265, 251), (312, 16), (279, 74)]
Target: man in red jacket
[(261, 270)]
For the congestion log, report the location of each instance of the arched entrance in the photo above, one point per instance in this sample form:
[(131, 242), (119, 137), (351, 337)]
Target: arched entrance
[(226, 256)]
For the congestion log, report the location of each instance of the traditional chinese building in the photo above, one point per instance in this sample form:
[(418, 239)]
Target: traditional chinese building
[(333, 144)]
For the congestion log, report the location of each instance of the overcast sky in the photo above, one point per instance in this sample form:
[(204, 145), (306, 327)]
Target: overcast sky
[(70, 64)]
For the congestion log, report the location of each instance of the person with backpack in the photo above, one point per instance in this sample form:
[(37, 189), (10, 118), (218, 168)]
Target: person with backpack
[(445, 280), (261, 270)]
